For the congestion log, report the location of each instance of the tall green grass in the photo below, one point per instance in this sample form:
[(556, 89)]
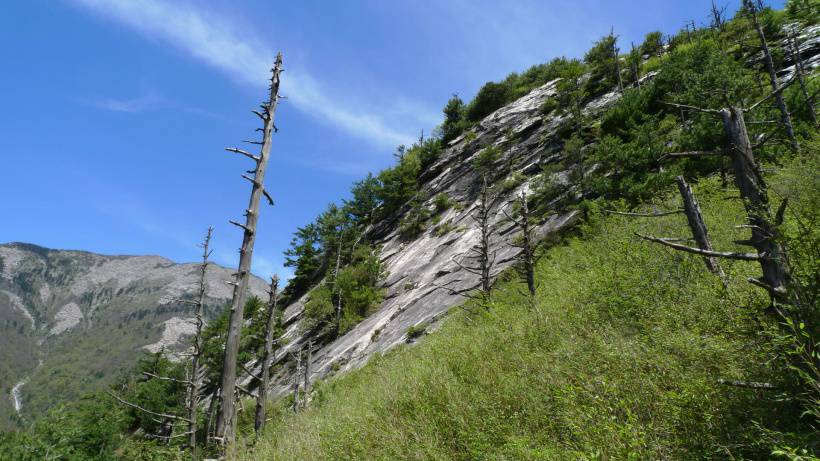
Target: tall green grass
[(618, 358)]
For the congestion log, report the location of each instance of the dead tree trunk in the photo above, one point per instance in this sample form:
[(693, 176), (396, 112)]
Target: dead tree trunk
[(717, 17), (785, 116), (210, 430), (197, 370), (296, 381), (336, 287), (617, 61), (484, 244), (527, 256), (306, 384), (481, 251), (755, 198), (225, 421), (635, 59), (267, 358), (794, 50), (695, 218)]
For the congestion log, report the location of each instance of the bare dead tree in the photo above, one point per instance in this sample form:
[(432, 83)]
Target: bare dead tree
[(615, 52), (267, 356), (526, 257), (225, 423), (197, 372), (193, 375), (800, 72), (785, 116), (635, 64), (336, 289), (210, 430), (480, 253), (776, 277), (296, 381), (306, 384), (752, 187), (698, 226), (718, 20)]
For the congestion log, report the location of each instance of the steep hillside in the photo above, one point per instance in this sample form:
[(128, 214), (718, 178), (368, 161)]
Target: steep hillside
[(626, 350), (620, 357), (71, 320), (420, 267), (424, 274)]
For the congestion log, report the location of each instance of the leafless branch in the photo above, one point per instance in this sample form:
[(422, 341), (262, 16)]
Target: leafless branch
[(165, 378), (695, 153), (697, 109), (698, 251), (748, 384), (161, 415), (644, 215), (245, 153), (247, 229)]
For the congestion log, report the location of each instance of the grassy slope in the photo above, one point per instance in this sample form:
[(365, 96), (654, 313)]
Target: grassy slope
[(618, 360)]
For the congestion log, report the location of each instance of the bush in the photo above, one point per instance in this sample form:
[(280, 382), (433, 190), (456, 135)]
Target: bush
[(490, 97), (442, 202), (356, 284), (652, 44)]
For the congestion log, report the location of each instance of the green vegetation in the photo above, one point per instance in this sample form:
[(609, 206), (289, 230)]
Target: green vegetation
[(356, 286), (95, 426), (619, 358), (621, 352)]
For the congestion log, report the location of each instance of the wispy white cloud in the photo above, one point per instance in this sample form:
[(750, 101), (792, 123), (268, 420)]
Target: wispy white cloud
[(146, 101), (244, 58)]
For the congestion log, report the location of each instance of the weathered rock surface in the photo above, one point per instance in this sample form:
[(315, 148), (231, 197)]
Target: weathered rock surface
[(88, 316), (420, 269)]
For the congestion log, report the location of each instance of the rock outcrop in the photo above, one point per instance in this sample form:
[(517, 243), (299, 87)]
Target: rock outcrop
[(424, 281), (418, 269), (87, 316)]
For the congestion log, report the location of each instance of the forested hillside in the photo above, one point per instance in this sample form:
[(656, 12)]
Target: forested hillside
[(599, 258)]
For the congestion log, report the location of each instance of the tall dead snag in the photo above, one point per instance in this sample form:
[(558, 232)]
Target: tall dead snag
[(800, 72), (481, 251), (306, 384), (785, 116), (336, 288), (756, 201), (718, 20), (527, 244), (197, 370), (615, 52), (267, 357), (634, 63), (225, 420), (296, 378), (694, 216)]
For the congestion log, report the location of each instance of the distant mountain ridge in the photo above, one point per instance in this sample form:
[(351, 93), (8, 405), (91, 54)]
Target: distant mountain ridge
[(85, 316)]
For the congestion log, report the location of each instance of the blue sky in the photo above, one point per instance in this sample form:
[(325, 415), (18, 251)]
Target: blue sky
[(116, 112)]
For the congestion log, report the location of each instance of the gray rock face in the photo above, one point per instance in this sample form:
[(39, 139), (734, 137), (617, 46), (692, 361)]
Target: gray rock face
[(418, 269), (88, 316)]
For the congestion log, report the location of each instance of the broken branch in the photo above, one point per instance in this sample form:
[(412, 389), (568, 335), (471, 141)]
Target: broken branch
[(245, 153), (698, 251)]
